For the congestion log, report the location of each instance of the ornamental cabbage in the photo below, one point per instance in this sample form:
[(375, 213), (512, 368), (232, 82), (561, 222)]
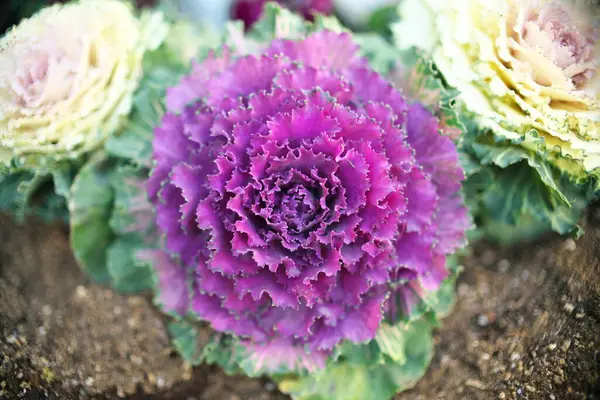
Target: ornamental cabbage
[(527, 70), (67, 76), (302, 199)]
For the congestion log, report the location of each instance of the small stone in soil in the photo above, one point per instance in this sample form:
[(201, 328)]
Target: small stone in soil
[(569, 307), (503, 265), (483, 320), (570, 245)]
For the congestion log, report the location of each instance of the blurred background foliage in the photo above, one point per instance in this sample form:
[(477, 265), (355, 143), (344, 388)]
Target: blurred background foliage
[(12, 11), (359, 15)]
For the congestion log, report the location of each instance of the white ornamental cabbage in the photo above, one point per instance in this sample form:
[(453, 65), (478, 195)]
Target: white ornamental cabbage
[(67, 76), (527, 70)]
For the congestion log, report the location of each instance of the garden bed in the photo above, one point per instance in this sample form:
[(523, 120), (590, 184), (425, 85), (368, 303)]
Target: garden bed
[(525, 326)]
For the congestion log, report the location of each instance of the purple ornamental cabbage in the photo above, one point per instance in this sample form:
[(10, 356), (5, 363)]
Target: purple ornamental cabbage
[(302, 196)]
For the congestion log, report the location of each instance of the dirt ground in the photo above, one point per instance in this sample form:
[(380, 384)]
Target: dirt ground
[(526, 326)]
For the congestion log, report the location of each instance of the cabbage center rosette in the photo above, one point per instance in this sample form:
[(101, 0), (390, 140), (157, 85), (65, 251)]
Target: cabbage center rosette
[(527, 70), (304, 197), (67, 76)]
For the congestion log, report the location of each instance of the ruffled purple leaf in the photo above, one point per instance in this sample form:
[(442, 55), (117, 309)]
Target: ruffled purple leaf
[(280, 356), (173, 294)]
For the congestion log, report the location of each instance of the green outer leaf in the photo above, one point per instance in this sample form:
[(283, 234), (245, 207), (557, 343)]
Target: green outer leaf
[(132, 223), (127, 274), (364, 372), (62, 178), (106, 226), (435, 305), (516, 194), (392, 342), (519, 207), (113, 219), (328, 22), (90, 207), (441, 302), (278, 23), (526, 229), (505, 156), (382, 19), (377, 370), (134, 142), (394, 361), (9, 184), (381, 54), (223, 350), (220, 349), (514, 189), (132, 211), (40, 194), (184, 336), (162, 69), (356, 375), (186, 41)]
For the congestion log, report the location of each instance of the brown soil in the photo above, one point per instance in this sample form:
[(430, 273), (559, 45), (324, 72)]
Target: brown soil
[(526, 326)]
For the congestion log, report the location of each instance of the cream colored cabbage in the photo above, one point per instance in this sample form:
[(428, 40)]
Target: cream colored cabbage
[(521, 67), (67, 76)]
